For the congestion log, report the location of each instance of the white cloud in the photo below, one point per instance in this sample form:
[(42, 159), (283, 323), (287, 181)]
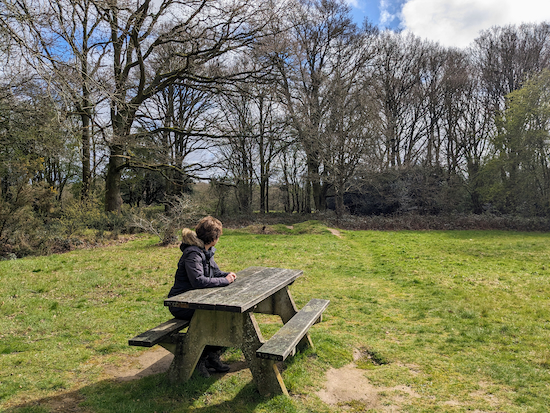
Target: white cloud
[(458, 22), (386, 17), (352, 3)]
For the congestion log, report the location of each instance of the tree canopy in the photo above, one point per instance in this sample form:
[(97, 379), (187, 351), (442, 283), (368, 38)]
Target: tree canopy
[(136, 101)]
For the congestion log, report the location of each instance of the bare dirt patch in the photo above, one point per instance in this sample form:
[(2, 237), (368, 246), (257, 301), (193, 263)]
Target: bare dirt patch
[(62, 403), (348, 386), (65, 403), (484, 393), (150, 362), (335, 232), (154, 361)]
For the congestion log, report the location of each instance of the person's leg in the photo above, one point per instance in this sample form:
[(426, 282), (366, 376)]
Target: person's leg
[(211, 355), (182, 313)]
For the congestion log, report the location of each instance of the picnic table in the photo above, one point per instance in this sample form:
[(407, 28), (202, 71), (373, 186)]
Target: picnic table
[(224, 316)]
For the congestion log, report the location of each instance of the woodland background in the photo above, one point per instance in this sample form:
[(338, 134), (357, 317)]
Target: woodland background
[(117, 116)]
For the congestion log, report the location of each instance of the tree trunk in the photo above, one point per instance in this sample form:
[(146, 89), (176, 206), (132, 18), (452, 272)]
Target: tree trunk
[(262, 196), (339, 198), (318, 190), (113, 200), (86, 170), (86, 111), (475, 196)]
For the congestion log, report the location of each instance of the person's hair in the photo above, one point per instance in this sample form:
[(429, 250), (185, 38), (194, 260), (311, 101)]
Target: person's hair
[(208, 229)]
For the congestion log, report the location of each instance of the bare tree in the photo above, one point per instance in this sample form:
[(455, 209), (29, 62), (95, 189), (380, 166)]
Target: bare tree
[(293, 170), (305, 61), (272, 139), (177, 127), (399, 83), (256, 133), (150, 45), (434, 75), (237, 148), (348, 131), (63, 40), (507, 56), (198, 32)]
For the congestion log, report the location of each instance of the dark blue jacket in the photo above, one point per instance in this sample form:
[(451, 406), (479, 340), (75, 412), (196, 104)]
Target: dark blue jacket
[(197, 269)]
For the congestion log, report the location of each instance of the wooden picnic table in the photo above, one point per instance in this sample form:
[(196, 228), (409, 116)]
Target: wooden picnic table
[(224, 316)]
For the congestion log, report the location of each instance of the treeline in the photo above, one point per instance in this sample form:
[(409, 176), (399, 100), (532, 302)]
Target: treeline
[(132, 102)]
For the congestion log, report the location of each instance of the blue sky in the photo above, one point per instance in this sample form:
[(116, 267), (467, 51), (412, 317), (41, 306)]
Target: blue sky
[(453, 23), (382, 13)]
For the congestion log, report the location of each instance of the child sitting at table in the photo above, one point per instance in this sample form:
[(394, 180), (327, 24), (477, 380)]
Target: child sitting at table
[(197, 269)]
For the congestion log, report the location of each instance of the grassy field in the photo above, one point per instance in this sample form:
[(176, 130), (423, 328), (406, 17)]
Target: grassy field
[(458, 319)]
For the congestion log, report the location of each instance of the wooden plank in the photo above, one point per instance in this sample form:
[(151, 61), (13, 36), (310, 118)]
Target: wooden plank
[(253, 285), (285, 340), (263, 285), (207, 297), (159, 333)]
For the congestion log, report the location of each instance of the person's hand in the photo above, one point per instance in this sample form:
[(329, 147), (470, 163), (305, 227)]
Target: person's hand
[(231, 277)]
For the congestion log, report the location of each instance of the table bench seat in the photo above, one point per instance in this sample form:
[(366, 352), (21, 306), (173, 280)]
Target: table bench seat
[(159, 334), (284, 342)]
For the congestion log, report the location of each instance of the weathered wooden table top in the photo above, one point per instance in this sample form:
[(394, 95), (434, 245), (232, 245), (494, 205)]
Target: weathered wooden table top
[(252, 285)]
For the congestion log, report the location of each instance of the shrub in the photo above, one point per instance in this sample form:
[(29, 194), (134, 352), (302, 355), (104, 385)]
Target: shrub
[(421, 190), (79, 215), (181, 211), (21, 226), (33, 223)]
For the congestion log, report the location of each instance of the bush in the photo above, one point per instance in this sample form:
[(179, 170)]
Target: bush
[(33, 223), (78, 215), (416, 222), (417, 189), (181, 211), (21, 227)]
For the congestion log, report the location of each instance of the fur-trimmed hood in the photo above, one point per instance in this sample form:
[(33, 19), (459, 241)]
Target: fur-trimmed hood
[(189, 238)]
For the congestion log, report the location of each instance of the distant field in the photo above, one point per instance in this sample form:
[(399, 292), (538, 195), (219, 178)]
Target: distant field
[(449, 321)]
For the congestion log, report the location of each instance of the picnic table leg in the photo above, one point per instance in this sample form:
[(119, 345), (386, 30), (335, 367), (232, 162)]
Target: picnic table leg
[(265, 372), (186, 355), (222, 328), (205, 328), (282, 304)]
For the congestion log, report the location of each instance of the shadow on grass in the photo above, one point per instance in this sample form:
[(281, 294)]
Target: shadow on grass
[(153, 393)]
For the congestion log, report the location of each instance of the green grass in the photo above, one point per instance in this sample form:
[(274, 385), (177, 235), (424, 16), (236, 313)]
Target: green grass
[(461, 318)]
